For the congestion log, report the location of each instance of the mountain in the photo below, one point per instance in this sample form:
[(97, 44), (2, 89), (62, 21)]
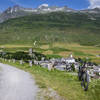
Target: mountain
[(44, 8), (17, 11), (93, 11), (13, 12), (52, 27)]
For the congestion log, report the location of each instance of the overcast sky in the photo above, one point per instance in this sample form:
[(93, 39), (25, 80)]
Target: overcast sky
[(75, 4)]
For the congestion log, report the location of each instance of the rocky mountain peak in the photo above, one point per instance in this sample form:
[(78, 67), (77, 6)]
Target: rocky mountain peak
[(43, 6), (97, 9), (18, 11), (13, 9)]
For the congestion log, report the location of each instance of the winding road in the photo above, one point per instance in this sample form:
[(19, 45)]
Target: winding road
[(16, 84)]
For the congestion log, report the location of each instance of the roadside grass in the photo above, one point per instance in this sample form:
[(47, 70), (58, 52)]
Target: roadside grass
[(65, 84)]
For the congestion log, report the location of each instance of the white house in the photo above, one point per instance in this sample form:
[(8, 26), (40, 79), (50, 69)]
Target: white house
[(70, 59)]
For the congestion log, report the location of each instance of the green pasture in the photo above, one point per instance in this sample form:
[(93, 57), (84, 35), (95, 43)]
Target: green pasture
[(58, 50)]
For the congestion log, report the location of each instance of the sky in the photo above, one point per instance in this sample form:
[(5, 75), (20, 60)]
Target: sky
[(75, 4)]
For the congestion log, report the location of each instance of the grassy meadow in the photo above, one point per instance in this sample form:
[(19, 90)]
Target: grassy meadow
[(64, 83), (59, 50)]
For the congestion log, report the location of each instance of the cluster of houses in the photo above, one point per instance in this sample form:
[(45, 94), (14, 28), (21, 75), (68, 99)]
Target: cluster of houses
[(60, 63), (94, 71), (66, 64)]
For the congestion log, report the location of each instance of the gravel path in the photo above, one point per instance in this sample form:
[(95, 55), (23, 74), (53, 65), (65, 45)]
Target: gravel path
[(16, 84)]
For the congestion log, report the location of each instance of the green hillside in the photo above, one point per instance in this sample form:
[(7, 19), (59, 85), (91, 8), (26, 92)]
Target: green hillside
[(52, 27)]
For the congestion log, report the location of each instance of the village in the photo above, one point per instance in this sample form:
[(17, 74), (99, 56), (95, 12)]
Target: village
[(69, 64)]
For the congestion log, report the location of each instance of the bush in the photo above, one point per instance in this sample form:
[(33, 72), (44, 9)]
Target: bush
[(73, 67)]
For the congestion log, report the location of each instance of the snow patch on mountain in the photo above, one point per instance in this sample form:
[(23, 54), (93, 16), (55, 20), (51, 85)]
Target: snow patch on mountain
[(43, 5)]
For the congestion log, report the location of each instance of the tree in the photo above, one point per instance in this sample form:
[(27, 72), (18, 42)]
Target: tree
[(73, 67)]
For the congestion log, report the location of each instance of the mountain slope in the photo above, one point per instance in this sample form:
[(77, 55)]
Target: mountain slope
[(14, 12), (51, 27), (18, 11)]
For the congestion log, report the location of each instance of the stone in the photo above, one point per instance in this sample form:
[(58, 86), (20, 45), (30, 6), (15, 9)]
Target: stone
[(14, 60), (9, 60), (30, 63), (50, 65), (21, 62), (36, 62), (43, 58), (45, 65)]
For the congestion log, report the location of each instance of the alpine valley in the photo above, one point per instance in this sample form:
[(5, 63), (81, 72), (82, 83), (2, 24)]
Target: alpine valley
[(47, 24)]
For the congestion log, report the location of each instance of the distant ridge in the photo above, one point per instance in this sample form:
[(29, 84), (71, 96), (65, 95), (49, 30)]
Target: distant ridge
[(18, 11)]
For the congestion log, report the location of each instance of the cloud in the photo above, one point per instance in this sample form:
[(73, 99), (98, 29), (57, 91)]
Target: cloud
[(94, 3)]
